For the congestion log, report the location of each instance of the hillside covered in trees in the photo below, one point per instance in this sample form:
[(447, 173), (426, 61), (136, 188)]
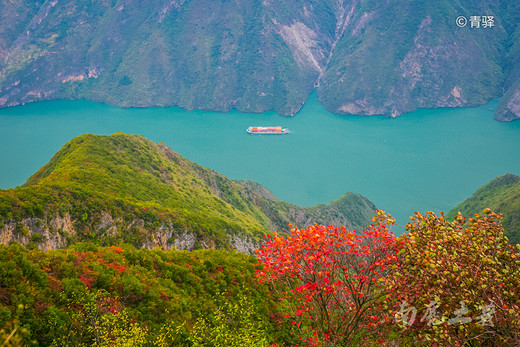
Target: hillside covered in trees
[(443, 282), (121, 241), (501, 195), (125, 188), (363, 57)]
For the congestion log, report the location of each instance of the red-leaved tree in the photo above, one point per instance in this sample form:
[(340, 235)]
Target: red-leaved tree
[(329, 278)]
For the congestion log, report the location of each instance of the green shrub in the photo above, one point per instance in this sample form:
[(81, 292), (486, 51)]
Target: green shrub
[(231, 324), (20, 228), (36, 238)]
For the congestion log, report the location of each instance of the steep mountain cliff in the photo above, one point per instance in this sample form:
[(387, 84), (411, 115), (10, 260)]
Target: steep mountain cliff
[(395, 58), (509, 106), (500, 195), (366, 57), (125, 188)]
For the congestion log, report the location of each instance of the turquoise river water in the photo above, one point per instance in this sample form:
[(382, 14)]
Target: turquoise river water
[(424, 160)]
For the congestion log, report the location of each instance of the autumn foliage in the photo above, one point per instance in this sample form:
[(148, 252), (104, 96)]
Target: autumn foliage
[(442, 283), (458, 282), (330, 279)]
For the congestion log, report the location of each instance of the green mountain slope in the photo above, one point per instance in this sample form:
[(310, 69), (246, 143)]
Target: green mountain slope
[(127, 188), (509, 106), (396, 58), (202, 54), (365, 57), (500, 195), (352, 210)]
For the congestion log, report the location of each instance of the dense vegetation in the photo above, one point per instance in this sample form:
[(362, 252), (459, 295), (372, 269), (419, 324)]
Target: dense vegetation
[(85, 294), (125, 188), (129, 178), (443, 283), (427, 61), (501, 195), (365, 57)]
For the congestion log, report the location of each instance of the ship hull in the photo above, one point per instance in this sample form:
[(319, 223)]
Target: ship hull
[(267, 131)]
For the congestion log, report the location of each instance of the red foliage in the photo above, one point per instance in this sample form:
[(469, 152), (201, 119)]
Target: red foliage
[(329, 277), (86, 281), (117, 249), (109, 304), (119, 268)]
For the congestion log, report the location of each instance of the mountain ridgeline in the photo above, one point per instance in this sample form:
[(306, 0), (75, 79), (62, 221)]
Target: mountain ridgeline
[(125, 188), (501, 195), (364, 57)]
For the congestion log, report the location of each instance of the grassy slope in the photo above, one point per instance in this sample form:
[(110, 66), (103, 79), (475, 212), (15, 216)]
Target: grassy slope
[(352, 210), (500, 195), (130, 177)]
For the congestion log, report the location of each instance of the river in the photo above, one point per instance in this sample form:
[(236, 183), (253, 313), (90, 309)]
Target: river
[(420, 161)]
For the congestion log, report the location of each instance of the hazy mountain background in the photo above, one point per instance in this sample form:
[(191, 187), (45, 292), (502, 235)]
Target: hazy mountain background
[(365, 57)]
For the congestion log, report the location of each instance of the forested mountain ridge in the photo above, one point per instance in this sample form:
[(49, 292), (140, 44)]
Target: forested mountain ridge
[(125, 188), (365, 57)]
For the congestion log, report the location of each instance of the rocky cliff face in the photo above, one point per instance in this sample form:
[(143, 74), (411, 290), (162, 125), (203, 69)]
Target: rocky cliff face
[(47, 236), (420, 59), (366, 57), (60, 232), (509, 106)]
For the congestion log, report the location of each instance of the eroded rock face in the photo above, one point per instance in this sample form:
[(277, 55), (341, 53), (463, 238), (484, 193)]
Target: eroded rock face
[(58, 232), (47, 235), (509, 107), (305, 45), (244, 244), (166, 238)]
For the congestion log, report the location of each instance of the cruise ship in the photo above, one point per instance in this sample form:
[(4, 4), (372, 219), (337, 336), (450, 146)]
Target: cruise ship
[(267, 130)]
